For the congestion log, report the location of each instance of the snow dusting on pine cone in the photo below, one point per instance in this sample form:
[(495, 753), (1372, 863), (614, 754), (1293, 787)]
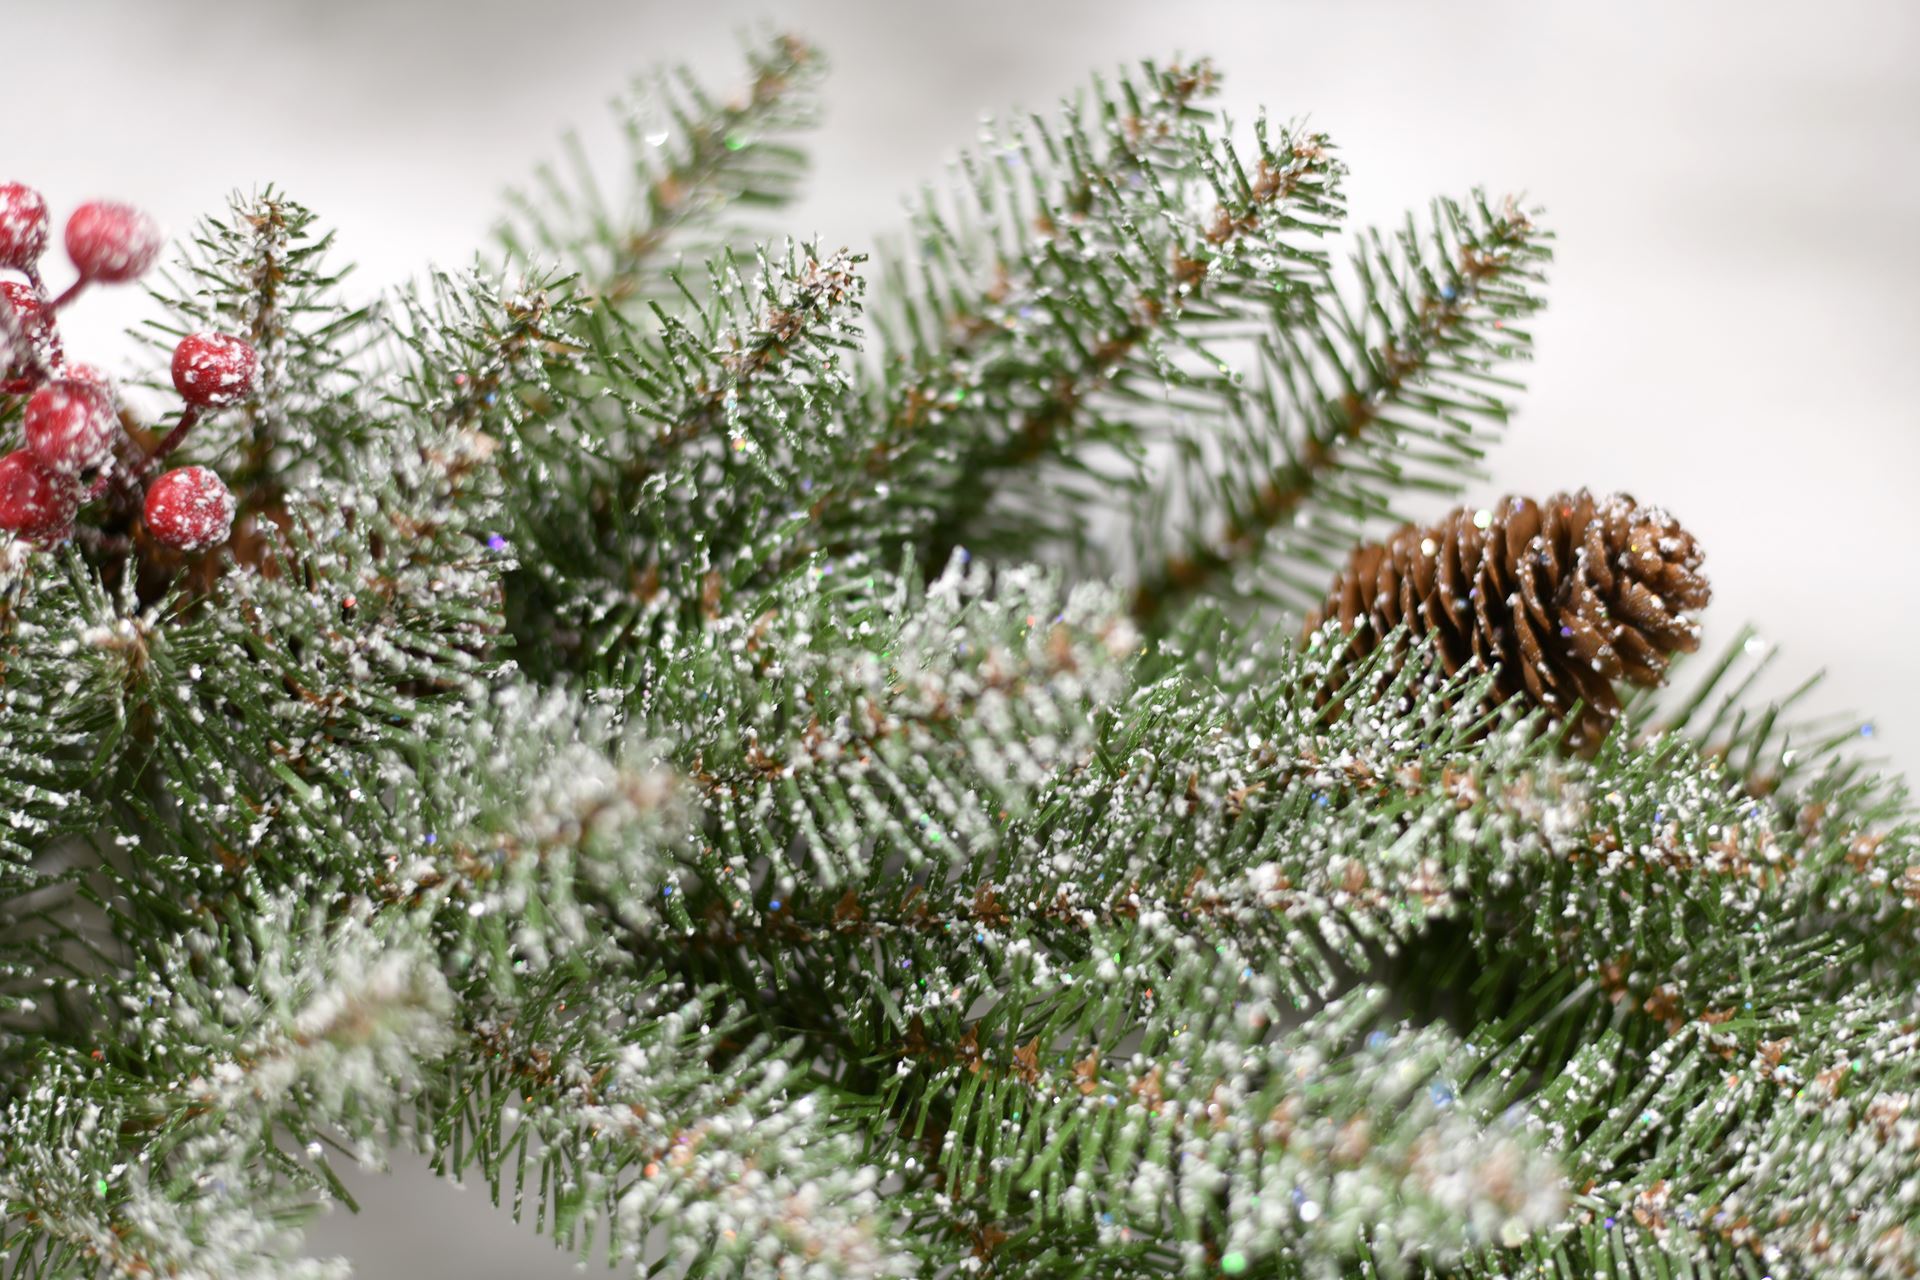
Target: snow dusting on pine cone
[(1560, 598), (70, 425), (213, 370), (189, 509), (111, 242), (35, 503), (23, 226)]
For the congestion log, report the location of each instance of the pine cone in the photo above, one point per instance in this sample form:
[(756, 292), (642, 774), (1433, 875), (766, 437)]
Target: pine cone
[(1565, 597)]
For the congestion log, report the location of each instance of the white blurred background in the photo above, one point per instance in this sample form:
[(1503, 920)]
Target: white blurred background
[(1734, 329)]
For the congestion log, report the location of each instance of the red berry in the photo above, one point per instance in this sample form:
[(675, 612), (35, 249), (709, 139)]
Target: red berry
[(213, 370), (70, 425), (90, 375), (32, 324), (189, 509), (23, 226), (111, 243), (34, 502)]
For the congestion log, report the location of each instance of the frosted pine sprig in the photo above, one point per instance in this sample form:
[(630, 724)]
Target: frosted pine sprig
[(743, 1165), (573, 817), (559, 763), (901, 672), (1230, 1142), (1807, 1110), (320, 1028), (1399, 811), (685, 1140), (348, 1022)]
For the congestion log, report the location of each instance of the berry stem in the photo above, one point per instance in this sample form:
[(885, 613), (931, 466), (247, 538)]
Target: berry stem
[(71, 292), (52, 334), (188, 416), (54, 349)]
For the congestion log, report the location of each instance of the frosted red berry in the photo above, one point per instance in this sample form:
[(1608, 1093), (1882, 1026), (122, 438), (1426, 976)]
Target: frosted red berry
[(189, 509), (34, 502), (70, 425), (90, 375), (32, 324), (23, 226), (110, 242), (213, 370)]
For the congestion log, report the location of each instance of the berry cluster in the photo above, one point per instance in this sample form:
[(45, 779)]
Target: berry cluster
[(77, 449)]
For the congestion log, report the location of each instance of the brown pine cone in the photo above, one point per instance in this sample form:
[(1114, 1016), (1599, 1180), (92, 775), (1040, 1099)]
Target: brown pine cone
[(1564, 597)]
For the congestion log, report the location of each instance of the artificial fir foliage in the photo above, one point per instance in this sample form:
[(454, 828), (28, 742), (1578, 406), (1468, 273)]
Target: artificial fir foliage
[(781, 766)]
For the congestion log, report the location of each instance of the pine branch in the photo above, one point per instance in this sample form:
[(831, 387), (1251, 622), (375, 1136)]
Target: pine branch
[(1386, 887), (262, 274), (1384, 402), (683, 454), (65, 659), (486, 354), (212, 713), (557, 828), (674, 1135), (133, 1168), (1080, 278), (51, 709), (1232, 1145), (1694, 1150), (559, 769), (691, 161)]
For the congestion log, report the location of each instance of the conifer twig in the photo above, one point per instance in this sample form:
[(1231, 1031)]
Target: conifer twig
[(1444, 317)]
